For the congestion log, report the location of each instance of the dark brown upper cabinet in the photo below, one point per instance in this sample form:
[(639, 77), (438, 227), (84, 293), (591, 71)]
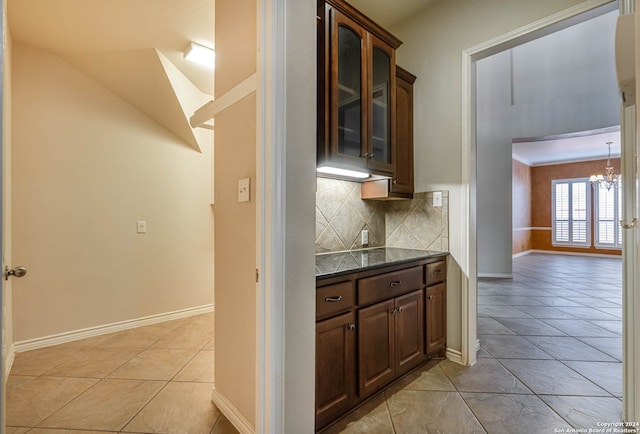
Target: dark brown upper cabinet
[(401, 185), (356, 91)]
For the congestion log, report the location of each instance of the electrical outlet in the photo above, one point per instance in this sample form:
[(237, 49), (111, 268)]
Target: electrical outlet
[(437, 198), (141, 226), (364, 235), (243, 190)]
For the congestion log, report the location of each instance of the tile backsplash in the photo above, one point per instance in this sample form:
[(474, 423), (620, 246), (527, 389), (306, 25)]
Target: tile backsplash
[(341, 216)]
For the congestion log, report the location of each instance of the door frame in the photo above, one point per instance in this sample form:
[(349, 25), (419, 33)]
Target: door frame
[(5, 287), (571, 16), (285, 243)]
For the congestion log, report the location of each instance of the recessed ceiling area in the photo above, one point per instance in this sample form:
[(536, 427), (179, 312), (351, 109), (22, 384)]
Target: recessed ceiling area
[(567, 148)]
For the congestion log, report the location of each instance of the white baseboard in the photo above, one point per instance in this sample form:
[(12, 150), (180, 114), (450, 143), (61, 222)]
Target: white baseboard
[(454, 355), (231, 412), (525, 253), (11, 355), (61, 338), (496, 275), (560, 252)]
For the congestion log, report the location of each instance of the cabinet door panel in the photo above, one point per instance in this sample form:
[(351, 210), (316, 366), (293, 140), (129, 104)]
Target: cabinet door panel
[(382, 95), (409, 331), (376, 346), (349, 100), (403, 179), (335, 367), (436, 318)]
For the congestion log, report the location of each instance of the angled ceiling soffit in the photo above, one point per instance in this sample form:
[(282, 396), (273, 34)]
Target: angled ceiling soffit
[(147, 80)]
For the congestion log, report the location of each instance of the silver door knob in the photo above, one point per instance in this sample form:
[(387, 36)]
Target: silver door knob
[(18, 271)]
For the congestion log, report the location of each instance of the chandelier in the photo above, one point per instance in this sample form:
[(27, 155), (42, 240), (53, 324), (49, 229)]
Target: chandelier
[(609, 179)]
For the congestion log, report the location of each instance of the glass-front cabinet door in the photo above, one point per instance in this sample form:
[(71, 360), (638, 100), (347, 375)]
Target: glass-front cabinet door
[(361, 71), (382, 97), (349, 123)]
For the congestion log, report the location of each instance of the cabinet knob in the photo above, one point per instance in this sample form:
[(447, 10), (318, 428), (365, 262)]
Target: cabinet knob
[(351, 327), (366, 155), (333, 299), (372, 156), (430, 297), (393, 311), (395, 181), (401, 308)]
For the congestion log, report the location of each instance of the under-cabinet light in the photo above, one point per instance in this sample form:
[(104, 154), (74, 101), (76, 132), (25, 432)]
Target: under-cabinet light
[(342, 172), (200, 54)]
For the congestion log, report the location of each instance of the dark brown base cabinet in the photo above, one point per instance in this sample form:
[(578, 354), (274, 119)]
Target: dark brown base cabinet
[(436, 312), (373, 327), (391, 340), (335, 366)]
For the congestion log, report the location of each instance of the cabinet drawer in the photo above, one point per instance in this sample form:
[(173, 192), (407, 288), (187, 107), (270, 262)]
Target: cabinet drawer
[(334, 298), (384, 286), (436, 272)]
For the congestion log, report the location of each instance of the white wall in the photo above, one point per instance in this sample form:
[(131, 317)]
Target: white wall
[(299, 296), (493, 165), (561, 83), (86, 167), (566, 81), (433, 44)]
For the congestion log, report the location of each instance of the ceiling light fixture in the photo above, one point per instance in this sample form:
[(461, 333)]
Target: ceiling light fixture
[(200, 54), (327, 170), (609, 179)]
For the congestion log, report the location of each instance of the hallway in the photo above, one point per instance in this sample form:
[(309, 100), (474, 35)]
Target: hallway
[(152, 379), (550, 358)]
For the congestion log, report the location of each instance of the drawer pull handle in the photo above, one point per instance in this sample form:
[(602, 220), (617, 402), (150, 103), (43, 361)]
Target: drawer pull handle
[(351, 327), (396, 283), (436, 272), (333, 299)]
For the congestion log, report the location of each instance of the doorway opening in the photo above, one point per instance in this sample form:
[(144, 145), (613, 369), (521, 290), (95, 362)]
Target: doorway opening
[(472, 153)]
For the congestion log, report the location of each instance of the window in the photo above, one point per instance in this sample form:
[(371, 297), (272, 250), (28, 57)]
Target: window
[(608, 207), (571, 213)]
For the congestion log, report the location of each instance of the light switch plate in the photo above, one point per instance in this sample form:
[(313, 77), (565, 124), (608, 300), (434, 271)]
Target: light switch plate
[(437, 198), (244, 186)]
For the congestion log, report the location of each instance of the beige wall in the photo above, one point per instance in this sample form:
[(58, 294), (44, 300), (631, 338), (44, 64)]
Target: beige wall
[(433, 44), (235, 232), (86, 167)]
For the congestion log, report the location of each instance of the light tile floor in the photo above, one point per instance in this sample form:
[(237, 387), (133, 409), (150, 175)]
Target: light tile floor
[(550, 358), (153, 379)]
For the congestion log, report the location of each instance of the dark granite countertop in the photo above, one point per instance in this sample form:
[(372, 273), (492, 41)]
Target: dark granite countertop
[(337, 264)]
